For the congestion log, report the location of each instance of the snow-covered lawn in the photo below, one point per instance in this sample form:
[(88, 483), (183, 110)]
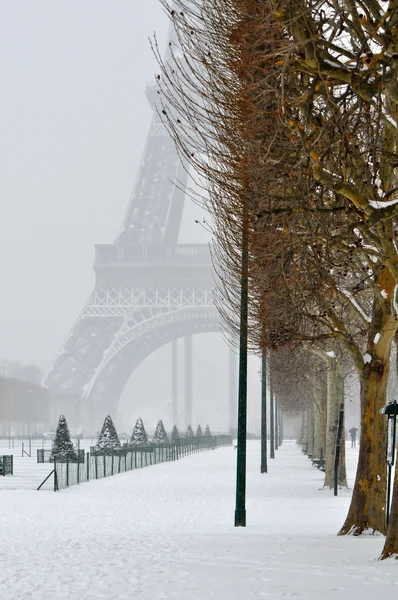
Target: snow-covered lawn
[(167, 532)]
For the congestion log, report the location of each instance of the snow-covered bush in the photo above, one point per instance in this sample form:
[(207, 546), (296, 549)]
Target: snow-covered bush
[(108, 440), (139, 437), (160, 436), (62, 448), (189, 433), (175, 436)]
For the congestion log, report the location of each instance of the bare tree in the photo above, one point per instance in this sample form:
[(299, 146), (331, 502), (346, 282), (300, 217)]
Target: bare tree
[(288, 110)]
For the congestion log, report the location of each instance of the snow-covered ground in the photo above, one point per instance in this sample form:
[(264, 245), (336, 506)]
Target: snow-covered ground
[(28, 473), (166, 532)]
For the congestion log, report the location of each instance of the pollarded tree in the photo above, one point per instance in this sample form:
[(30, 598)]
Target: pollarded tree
[(199, 432), (108, 440), (160, 436), (324, 76), (63, 448), (207, 432), (189, 434), (175, 436), (139, 437)]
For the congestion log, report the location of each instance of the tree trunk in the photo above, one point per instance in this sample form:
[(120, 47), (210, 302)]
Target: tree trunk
[(319, 427), (342, 472), (310, 447), (335, 397), (391, 543), (367, 509)]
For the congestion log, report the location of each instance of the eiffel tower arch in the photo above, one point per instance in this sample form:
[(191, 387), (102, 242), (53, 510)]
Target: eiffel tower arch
[(149, 290)]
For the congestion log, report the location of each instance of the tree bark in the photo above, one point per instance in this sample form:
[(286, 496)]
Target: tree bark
[(335, 397), (367, 509), (319, 426), (391, 543), (311, 416), (342, 472)]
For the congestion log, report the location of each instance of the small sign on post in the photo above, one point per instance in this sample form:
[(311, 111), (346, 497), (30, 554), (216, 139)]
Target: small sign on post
[(391, 410)]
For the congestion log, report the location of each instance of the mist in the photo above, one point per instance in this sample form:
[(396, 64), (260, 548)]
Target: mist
[(74, 121)]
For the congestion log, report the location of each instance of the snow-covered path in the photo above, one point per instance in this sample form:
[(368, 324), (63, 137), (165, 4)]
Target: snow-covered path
[(167, 532)]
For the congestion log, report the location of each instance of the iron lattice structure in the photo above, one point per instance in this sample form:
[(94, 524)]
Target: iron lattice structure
[(149, 289)]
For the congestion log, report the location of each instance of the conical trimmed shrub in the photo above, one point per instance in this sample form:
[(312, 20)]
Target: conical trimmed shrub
[(189, 433), (207, 432), (108, 440), (175, 436), (160, 436), (138, 437), (199, 432), (62, 448)]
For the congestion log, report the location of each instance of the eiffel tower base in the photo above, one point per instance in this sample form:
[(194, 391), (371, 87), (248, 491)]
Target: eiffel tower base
[(149, 289)]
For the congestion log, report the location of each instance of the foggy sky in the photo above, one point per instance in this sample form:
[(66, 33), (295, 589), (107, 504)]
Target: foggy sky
[(73, 119)]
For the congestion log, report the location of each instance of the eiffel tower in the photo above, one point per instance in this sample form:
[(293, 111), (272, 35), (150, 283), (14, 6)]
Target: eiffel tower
[(149, 291)]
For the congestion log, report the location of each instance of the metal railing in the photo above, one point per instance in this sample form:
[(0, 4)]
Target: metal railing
[(98, 466), (110, 253)]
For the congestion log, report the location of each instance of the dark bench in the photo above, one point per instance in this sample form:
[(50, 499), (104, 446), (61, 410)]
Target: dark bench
[(320, 462)]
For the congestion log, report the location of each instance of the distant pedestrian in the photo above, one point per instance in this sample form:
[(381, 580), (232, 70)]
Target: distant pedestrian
[(353, 434)]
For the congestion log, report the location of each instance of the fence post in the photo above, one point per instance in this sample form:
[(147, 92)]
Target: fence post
[(96, 466), (67, 472), (112, 461), (103, 456), (88, 466)]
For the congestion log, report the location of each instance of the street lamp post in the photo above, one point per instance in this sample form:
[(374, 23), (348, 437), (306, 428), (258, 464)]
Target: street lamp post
[(272, 423), (240, 506), (391, 410), (263, 467)]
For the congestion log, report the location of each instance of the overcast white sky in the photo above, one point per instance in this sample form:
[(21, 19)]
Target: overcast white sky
[(73, 122)]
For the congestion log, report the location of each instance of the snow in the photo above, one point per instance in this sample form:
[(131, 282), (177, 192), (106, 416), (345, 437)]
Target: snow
[(166, 532), (367, 358), (331, 354), (376, 204), (376, 338), (384, 294), (391, 119), (354, 303), (333, 64)]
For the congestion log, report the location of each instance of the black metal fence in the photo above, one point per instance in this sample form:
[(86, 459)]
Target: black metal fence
[(44, 456), (26, 471), (98, 466)]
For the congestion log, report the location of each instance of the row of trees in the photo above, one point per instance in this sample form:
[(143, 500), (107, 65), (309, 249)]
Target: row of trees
[(287, 111), (139, 438), (108, 441)]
